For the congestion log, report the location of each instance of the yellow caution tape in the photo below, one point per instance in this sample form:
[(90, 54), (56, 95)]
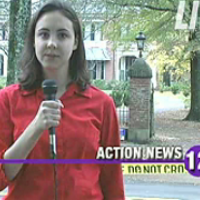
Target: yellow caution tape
[(157, 168)]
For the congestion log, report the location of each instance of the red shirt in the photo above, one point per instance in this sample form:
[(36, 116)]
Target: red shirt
[(88, 121)]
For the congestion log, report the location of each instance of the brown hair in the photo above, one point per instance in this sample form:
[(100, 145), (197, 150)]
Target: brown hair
[(31, 70)]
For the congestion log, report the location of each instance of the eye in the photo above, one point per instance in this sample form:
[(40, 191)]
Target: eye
[(44, 35), (62, 35)]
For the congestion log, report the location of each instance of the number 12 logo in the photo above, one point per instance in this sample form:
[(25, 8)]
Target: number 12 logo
[(192, 161)]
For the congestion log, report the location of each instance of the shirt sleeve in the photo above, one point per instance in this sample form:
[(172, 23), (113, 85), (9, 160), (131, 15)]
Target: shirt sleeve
[(6, 129), (111, 178)]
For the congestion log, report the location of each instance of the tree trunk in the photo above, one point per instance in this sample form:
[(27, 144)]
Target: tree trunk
[(194, 114), (12, 44), (20, 12)]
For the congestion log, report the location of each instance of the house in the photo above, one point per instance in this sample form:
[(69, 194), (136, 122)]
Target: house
[(103, 61)]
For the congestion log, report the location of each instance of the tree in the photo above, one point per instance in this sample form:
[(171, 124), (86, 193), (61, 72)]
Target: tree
[(157, 19), (4, 10), (20, 12), (123, 19)]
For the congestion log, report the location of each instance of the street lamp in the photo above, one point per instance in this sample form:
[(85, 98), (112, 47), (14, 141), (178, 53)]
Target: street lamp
[(140, 42)]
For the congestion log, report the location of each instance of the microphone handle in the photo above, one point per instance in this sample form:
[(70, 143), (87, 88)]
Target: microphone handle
[(52, 137), (52, 132)]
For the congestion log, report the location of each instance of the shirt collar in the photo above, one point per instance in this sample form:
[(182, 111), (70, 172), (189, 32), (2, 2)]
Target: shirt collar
[(72, 89)]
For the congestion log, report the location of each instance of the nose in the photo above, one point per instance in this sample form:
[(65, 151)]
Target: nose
[(52, 43)]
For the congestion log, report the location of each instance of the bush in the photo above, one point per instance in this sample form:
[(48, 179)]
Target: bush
[(2, 82), (113, 85), (101, 84), (186, 93), (175, 88), (186, 89), (126, 98), (181, 86), (117, 96), (164, 88)]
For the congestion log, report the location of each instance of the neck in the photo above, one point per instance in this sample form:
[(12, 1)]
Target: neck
[(62, 87)]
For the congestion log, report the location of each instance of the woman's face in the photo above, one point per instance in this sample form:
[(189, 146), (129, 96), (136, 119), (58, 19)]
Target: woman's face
[(54, 42)]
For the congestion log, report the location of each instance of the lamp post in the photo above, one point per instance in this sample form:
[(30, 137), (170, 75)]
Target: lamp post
[(140, 42)]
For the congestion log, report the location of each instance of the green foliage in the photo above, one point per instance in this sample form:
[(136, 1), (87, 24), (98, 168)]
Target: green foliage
[(175, 88), (101, 84), (126, 98), (111, 85), (164, 88), (183, 87), (2, 82), (120, 92), (117, 96), (186, 89), (117, 85)]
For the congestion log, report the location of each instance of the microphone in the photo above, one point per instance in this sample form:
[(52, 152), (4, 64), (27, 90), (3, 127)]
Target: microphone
[(50, 88)]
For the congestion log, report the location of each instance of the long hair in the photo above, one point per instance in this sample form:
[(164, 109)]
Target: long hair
[(32, 75)]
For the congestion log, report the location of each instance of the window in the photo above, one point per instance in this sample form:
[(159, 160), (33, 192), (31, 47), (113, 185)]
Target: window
[(103, 70), (92, 34), (94, 72), (124, 65), (83, 31), (97, 69), (1, 65), (92, 69), (102, 36), (3, 34)]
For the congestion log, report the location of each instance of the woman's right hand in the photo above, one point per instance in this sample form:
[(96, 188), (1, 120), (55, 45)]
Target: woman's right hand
[(49, 115)]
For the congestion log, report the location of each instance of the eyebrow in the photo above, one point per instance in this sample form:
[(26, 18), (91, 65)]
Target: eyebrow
[(62, 29), (46, 29)]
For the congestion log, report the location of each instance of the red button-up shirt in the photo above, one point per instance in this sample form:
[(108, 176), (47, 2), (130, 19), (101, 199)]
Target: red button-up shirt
[(88, 120)]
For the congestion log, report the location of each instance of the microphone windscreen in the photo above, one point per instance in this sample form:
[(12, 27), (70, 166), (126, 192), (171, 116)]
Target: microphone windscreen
[(49, 87)]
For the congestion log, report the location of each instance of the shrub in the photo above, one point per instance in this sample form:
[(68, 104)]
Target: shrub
[(175, 88), (164, 88), (2, 82), (126, 98), (186, 93), (117, 96), (113, 85), (186, 89), (101, 84)]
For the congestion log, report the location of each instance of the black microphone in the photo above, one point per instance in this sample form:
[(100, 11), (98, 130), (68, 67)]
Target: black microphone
[(50, 88)]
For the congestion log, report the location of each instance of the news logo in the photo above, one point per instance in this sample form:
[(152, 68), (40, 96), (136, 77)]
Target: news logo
[(154, 160), (192, 161), (141, 153)]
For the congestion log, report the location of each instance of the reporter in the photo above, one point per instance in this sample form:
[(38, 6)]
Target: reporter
[(84, 117)]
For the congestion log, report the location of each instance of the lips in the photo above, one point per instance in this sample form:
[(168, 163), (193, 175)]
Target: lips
[(51, 55)]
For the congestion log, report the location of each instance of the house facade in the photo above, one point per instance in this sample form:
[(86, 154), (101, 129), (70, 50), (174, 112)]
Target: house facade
[(103, 61)]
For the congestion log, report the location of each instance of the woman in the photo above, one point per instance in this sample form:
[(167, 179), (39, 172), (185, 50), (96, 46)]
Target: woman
[(84, 117)]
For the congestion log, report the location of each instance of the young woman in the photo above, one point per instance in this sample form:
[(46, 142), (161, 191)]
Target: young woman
[(84, 117)]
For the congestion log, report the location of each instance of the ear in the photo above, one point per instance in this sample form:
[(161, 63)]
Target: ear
[(75, 44)]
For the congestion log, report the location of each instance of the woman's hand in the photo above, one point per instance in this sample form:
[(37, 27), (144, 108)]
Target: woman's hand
[(49, 115)]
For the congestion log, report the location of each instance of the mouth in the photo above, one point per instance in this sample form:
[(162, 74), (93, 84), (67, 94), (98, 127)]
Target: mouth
[(51, 70), (51, 55)]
